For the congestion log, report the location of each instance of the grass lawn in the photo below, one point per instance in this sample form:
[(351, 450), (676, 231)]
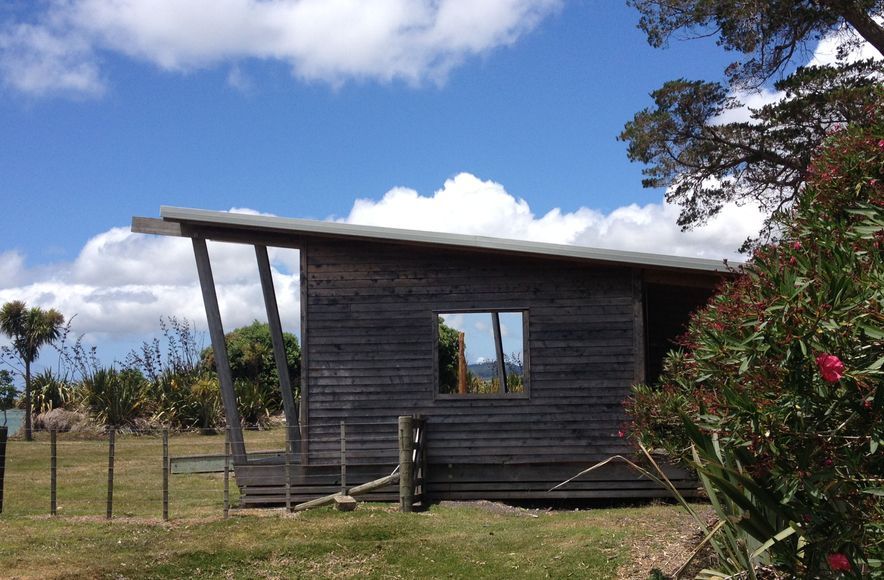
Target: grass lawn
[(447, 541)]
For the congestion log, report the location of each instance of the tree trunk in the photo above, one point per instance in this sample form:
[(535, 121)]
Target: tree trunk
[(860, 20), (29, 435)]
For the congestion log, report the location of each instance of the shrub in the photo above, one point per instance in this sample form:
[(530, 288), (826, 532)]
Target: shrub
[(250, 351), (255, 402), (775, 397), (8, 392), (116, 398), (187, 400), (48, 391), (180, 355)]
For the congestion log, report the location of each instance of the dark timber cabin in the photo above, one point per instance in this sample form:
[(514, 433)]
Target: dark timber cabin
[(593, 322)]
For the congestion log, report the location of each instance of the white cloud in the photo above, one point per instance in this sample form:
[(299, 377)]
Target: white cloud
[(37, 61), (12, 267), (122, 283), (331, 41), (469, 205)]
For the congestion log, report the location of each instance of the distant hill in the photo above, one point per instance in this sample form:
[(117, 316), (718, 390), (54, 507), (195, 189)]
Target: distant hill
[(487, 370)]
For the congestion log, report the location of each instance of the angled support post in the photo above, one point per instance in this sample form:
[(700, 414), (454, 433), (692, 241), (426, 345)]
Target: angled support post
[(498, 347), (282, 367), (219, 347)]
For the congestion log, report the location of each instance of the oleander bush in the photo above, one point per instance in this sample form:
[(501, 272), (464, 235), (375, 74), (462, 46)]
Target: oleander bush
[(775, 395)]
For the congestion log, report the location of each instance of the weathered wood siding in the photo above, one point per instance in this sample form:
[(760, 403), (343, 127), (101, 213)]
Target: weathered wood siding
[(369, 357)]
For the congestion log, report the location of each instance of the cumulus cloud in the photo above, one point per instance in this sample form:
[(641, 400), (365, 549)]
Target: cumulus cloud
[(12, 266), (331, 41), (468, 205), (121, 283)]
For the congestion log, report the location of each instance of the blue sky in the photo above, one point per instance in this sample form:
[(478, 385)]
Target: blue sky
[(497, 118), (540, 116)]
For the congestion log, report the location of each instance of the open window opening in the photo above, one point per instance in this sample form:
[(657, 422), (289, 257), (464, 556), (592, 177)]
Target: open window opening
[(668, 309), (482, 353)]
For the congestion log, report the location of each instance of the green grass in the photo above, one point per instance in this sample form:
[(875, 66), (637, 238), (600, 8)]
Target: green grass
[(375, 541)]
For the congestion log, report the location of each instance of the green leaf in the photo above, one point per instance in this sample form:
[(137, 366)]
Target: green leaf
[(871, 331), (777, 538), (879, 491)]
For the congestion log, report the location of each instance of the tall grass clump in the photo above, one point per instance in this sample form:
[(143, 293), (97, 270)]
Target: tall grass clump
[(115, 398)]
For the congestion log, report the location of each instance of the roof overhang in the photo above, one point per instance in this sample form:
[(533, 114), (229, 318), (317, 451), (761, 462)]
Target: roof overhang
[(242, 227)]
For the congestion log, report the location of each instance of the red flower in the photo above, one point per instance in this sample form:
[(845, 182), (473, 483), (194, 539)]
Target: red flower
[(796, 245), (621, 434), (838, 562), (831, 367)]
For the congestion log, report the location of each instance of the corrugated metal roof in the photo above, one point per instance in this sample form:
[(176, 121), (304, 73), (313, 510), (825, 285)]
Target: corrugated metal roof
[(335, 229)]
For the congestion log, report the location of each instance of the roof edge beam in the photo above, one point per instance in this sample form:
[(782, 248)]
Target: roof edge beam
[(146, 225)]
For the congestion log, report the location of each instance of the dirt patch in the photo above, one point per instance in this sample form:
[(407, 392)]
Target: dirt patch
[(665, 541)]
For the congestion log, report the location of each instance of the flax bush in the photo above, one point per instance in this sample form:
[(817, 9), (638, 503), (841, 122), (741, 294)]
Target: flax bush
[(775, 396)]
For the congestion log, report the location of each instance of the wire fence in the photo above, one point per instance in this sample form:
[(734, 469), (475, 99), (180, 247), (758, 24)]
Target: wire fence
[(117, 473), (158, 473)]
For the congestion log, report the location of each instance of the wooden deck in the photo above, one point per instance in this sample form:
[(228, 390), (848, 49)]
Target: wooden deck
[(265, 484)]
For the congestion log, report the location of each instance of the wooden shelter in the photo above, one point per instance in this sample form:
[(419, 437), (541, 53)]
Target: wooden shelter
[(593, 323)]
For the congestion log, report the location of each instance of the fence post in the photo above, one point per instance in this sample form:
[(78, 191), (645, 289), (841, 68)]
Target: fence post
[(165, 475), (4, 431), (288, 470), (406, 464), (112, 436), (420, 459), (53, 472), (343, 457), (226, 472)]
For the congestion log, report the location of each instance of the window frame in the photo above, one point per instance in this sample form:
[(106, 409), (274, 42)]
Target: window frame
[(526, 357)]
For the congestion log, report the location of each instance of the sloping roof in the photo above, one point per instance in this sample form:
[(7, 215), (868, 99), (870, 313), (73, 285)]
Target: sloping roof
[(253, 222)]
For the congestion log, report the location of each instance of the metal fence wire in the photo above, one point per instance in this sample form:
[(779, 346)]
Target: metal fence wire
[(158, 473), (116, 473)]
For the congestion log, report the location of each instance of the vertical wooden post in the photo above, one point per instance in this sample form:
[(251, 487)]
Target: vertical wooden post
[(304, 407), (112, 436), (53, 471), (343, 457), (165, 475), (423, 460), (226, 472), (4, 433), (219, 349), (498, 346), (461, 365), (288, 471), (638, 327), (282, 367), (406, 464)]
